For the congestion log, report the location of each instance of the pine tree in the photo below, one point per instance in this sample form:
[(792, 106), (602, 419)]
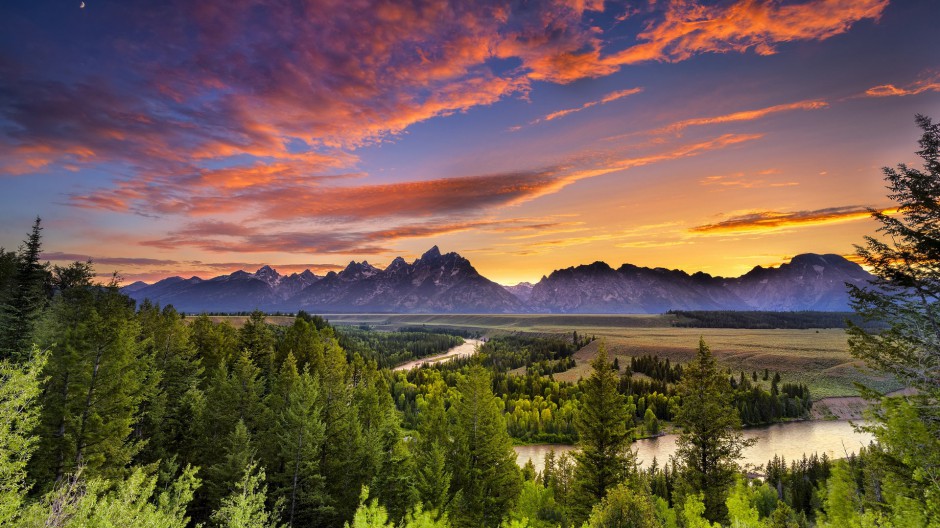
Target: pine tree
[(342, 455), (432, 477), (19, 413), (245, 507), (25, 298), (237, 452), (256, 337), (215, 342), (604, 426), (906, 297), (486, 477), (98, 376), (297, 431), (164, 423), (711, 442)]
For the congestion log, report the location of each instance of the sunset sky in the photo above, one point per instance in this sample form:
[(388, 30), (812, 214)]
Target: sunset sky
[(196, 138)]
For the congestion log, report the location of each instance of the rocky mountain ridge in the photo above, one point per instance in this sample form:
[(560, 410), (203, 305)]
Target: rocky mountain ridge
[(448, 283)]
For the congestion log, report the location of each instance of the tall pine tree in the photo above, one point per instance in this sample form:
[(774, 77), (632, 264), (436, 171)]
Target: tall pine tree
[(906, 297), (98, 375), (711, 441), (486, 477), (24, 299), (605, 431)]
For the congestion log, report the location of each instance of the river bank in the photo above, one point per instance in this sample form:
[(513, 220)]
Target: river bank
[(468, 348)]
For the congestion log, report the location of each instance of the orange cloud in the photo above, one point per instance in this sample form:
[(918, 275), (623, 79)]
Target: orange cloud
[(765, 221), (928, 83), (689, 28), (613, 96), (745, 115)]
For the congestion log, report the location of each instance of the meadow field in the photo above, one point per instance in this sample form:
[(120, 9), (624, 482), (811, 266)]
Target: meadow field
[(819, 358)]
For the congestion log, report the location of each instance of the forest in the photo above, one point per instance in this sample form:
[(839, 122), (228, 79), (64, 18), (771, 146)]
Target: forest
[(121, 415)]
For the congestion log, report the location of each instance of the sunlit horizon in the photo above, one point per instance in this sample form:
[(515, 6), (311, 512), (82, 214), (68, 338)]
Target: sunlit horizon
[(195, 139)]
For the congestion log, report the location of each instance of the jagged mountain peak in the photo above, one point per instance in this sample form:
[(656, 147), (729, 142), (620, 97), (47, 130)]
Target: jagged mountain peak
[(432, 253)]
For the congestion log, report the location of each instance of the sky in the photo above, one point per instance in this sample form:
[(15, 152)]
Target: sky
[(163, 138)]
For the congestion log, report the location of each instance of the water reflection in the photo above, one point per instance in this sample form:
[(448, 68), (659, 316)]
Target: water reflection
[(790, 440)]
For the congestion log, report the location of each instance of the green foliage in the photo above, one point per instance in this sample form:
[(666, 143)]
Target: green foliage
[(165, 420), (763, 320), (742, 513), (19, 414), (711, 442), (388, 349), (134, 501), (605, 432), (906, 296), (693, 512), (98, 376), (369, 515), (24, 296), (628, 505), (245, 507), (486, 477), (296, 431)]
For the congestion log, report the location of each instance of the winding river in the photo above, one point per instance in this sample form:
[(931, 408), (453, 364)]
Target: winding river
[(791, 440), (468, 348)]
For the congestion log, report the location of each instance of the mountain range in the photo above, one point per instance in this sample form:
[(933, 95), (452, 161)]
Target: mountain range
[(448, 283)]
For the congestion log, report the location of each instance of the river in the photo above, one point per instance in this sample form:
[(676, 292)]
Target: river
[(790, 440), (468, 348)]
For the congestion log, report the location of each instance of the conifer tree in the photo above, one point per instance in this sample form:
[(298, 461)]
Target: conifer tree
[(215, 342), (98, 375), (486, 477), (256, 337), (25, 298), (245, 507), (432, 476), (237, 452), (906, 297), (604, 425), (711, 442), (297, 430), (342, 453), (19, 413), (164, 423)]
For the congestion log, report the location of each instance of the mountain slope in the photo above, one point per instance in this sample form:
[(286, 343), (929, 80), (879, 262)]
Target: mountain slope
[(808, 282), (433, 283), (448, 283)]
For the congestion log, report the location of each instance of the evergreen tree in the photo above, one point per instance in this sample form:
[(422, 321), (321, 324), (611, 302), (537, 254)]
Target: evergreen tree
[(906, 297), (628, 505), (165, 422), (237, 452), (25, 298), (133, 501), (256, 337), (98, 375), (245, 507), (711, 442), (432, 476), (486, 477), (298, 436), (215, 342), (604, 434), (19, 391), (342, 456)]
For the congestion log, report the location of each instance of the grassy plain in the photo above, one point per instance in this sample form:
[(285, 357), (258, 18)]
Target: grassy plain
[(819, 358)]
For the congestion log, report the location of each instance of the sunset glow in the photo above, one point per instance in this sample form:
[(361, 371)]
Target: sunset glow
[(198, 138)]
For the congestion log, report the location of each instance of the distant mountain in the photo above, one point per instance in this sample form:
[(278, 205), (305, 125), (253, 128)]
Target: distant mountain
[(448, 283), (240, 291), (522, 291), (808, 282), (433, 283)]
